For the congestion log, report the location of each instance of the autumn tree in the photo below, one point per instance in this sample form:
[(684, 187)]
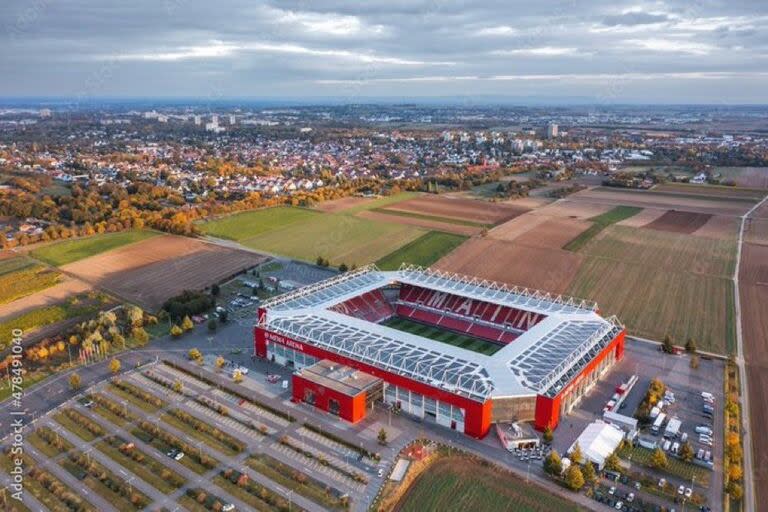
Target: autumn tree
[(576, 456), (590, 475), (548, 436), (553, 464), (658, 459), (220, 362), (574, 478), (176, 331), (382, 437), (195, 354), (237, 376), (686, 452), (612, 462), (114, 366), (187, 324), (74, 381)]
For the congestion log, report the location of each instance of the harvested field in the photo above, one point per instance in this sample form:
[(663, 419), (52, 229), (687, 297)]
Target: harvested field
[(550, 270), (737, 193), (720, 227), (512, 229), (664, 251), (338, 205), (458, 229), (573, 209), (646, 216), (554, 233), (478, 212), (679, 222), (754, 304), (667, 201), (151, 271), (756, 231)]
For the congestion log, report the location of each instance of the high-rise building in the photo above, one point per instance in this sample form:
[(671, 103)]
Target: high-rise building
[(232, 119), (198, 120), (552, 130)]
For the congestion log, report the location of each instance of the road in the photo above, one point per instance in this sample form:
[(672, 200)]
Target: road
[(749, 482)]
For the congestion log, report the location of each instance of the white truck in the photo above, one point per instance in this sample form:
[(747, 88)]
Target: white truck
[(657, 423), (673, 428)]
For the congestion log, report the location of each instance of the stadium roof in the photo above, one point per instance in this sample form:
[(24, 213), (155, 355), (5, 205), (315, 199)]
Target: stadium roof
[(540, 361)]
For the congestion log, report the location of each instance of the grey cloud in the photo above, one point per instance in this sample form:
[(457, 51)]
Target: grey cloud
[(634, 18)]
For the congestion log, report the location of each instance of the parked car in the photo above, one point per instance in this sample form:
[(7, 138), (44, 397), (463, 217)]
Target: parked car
[(619, 505), (612, 491), (229, 507), (681, 490), (688, 492), (703, 429)]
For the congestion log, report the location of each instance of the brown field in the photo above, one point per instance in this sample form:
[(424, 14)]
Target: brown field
[(646, 216), (679, 222), (151, 271), (550, 270), (518, 226), (433, 225), (614, 197), (480, 212), (720, 227), (573, 209), (754, 304), (554, 233), (756, 231), (338, 205)]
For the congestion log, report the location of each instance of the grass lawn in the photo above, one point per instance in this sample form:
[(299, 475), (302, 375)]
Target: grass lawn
[(41, 317), (284, 475), (675, 466), (380, 202), (15, 263), (77, 429), (423, 251), (340, 238), (240, 226), (601, 222), (138, 402), (68, 251), (461, 484), (443, 335)]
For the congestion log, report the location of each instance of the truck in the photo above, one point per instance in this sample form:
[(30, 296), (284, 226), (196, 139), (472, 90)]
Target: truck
[(673, 428), (657, 423)]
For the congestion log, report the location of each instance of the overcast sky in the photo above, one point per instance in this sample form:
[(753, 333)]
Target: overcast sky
[(712, 51)]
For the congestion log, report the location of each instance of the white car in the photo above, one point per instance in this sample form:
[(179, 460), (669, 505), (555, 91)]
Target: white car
[(703, 429), (179, 456), (681, 490), (611, 491), (688, 492), (630, 497), (706, 394), (619, 505), (229, 507)]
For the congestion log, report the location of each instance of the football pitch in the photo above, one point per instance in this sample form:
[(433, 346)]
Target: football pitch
[(442, 335)]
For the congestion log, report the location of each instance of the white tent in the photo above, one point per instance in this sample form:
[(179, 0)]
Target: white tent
[(598, 441)]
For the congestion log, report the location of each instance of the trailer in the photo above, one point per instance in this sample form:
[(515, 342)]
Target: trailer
[(657, 423), (673, 428)]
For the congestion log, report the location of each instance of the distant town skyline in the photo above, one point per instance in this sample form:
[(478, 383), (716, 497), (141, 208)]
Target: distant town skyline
[(678, 51)]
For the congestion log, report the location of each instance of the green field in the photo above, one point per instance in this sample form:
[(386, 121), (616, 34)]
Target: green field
[(241, 226), (462, 484), (599, 223), (20, 277), (41, 317), (423, 251), (68, 251), (443, 335), (337, 237), (661, 283)]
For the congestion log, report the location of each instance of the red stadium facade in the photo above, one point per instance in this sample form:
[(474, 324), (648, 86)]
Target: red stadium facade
[(550, 350)]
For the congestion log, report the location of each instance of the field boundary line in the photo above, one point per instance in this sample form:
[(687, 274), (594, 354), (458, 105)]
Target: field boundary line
[(749, 481)]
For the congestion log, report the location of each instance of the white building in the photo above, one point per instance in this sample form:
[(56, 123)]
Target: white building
[(598, 441), (552, 131)]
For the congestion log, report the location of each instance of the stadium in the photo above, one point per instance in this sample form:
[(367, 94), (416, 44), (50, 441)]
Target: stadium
[(458, 351)]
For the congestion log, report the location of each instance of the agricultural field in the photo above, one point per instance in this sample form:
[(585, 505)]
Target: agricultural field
[(714, 191), (20, 277), (460, 484), (679, 222), (149, 272), (340, 238), (443, 335), (455, 209), (746, 176), (68, 251), (423, 251), (547, 269), (599, 223), (355, 205), (608, 196), (241, 226), (421, 221), (661, 283)]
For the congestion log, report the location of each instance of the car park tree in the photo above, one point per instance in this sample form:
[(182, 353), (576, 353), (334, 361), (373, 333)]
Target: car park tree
[(548, 436), (612, 462), (195, 354), (176, 331), (382, 437), (658, 459), (220, 361), (187, 324), (237, 376), (553, 464), (140, 335), (114, 366), (735, 490), (74, 381), (667, 345), (590, 475), (576, 456), (690, 346), (574, 478), (686, 452)]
